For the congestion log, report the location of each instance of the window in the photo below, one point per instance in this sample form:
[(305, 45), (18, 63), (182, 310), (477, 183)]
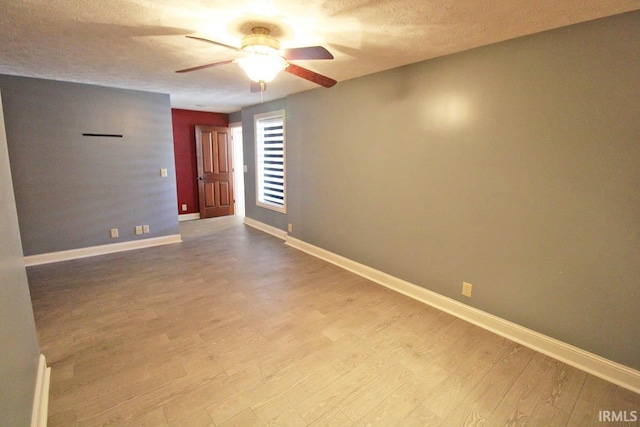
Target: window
[(270, 161)]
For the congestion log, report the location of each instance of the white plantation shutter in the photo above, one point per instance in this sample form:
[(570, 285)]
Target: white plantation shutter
[(270, 153)]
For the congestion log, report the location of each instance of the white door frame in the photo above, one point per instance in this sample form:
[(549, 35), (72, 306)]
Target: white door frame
[(238, 167)]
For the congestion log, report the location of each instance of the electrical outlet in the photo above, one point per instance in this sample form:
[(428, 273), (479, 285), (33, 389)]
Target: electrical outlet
[(145, 229), (114, 233), (184, 207), (290, 228), (138, 229), (466, 289)]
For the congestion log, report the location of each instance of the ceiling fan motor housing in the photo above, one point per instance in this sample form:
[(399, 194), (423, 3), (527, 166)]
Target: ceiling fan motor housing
[(260, 41)]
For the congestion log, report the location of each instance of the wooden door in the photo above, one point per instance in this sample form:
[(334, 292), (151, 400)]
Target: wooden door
[(215, 171)]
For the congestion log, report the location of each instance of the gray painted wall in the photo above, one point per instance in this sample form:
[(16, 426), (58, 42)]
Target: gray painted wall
[(70, 190), (267, 216), (19, 350), (235, 117), (513, 166)]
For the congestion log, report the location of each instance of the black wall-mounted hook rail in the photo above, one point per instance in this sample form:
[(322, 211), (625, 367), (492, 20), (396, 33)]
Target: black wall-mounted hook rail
[(107, 135)]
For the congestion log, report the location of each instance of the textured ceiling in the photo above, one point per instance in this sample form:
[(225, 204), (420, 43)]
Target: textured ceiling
[(138, 44)]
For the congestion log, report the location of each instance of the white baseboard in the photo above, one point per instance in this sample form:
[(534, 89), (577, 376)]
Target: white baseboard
[(599, 366), (276, 232), (188, 217), (41, 398), (47, 258)]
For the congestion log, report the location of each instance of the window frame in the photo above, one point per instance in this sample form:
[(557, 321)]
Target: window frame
[(259, 165)]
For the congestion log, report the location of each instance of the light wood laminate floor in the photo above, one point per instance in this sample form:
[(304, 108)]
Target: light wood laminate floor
[(232, 327)]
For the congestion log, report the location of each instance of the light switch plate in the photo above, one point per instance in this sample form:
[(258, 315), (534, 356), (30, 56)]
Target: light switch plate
[(163, 172)]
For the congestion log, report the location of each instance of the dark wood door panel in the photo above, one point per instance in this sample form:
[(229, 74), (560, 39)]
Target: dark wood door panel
[(215, 171), (224, 160), (225, 194)]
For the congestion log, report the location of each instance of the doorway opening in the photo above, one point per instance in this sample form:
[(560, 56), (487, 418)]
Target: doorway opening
[(238, 167)]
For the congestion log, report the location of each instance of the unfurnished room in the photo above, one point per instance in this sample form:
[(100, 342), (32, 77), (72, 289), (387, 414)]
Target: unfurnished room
[(311, 213)]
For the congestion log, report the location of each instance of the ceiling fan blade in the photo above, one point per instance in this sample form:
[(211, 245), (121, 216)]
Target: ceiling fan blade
[(258, 86), (311, 52), (312, 76), (213, 42), (202, 67)]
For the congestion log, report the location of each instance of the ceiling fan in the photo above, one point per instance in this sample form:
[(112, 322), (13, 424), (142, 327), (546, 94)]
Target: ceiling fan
[(265, 59)]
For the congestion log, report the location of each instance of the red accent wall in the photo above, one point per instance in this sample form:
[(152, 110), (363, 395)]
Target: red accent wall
[(184, 146)]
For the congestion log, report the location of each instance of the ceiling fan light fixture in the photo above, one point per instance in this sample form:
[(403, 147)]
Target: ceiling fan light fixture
[(262, 67)]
